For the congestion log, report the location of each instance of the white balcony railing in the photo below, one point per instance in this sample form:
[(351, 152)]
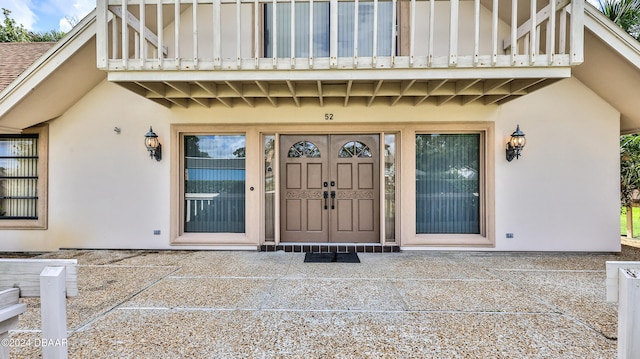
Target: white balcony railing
[(238, 34)]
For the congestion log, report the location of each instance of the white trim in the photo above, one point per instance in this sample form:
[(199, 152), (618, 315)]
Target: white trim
[(48, 63), (610, 33)]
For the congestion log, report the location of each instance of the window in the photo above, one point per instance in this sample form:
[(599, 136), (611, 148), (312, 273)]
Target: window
[(448, 181), (321, 30), (214, 183), (23, 179)]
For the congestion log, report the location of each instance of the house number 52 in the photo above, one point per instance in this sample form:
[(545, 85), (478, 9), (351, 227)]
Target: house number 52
[(328, 117)]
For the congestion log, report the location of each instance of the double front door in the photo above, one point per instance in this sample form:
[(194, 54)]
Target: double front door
[(330, 188)]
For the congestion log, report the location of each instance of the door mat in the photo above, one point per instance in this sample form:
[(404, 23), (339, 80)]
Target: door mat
[(331, 257)]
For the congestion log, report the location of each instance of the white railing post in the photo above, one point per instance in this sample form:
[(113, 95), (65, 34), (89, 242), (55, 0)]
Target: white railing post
[(293, 34), (102, 31), (238, 34), (355, 33), (551, 34), (534, 36), (160, 31), (195, 33), (176, 29), (577, 32), (628, 313), (53, 307), (125, 35), (311, 33), (256, 32), (476, 31), (217, 35), (333, 37), (494, 32), (432, 19), (453, 33), (412, 35), (562, 36), (143, 39), (274, 36), (514, 31), (374, 51), (394, 30)]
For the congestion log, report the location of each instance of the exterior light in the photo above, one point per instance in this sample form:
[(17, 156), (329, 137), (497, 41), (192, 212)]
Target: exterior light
[(153, 145), (515, 144)]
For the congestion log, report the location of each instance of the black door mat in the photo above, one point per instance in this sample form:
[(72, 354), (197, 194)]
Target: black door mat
[(331, 257)]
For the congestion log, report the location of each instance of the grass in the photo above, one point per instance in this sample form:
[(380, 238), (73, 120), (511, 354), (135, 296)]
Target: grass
[(636, 222)]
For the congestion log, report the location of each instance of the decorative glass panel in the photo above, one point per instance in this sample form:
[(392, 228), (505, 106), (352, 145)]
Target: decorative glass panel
[(390, 187), (354, 149), (18, 176), (214, 183), (269, 187), (304, 149), (448, 183)]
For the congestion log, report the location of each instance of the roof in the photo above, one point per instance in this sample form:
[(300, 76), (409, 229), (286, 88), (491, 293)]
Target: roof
[(17, 56)]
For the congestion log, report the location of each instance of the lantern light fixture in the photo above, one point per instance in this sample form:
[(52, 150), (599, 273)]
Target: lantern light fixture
[(153, 145), (515, 144)]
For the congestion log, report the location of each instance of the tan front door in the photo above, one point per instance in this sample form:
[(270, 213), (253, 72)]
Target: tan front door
[(330, 188)]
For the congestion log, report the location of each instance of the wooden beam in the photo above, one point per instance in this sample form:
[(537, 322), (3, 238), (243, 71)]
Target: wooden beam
[(135, 24), (320, 93), (431, 88), (156, 87), (240, 93), (292, 89), (404, 87), (346, 97), (376, 88), (182, 102), (205, 102), (265, 89), (185, 88)]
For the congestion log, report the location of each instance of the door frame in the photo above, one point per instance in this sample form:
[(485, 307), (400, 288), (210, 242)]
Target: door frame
[(381, 173)]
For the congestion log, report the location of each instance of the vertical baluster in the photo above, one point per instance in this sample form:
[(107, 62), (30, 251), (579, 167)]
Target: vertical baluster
[(562, 41), (514, 31), (355, 33), (551, 32), (160, 32), (311, 33), (195, 33), (394, 30), (333, 45), (412, 34), (125, 35), (293, 33), (143, 39), (534, 34), (136, 45), (374, 51), (274, 37), (476, 31), (432, 20), (494, 33), (217, 35), (176, 14), (114, 37), (453, 31), (238, 34), (256, 33)]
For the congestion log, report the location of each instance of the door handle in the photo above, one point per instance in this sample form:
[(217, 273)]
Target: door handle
[(325, 195), (333, 197)]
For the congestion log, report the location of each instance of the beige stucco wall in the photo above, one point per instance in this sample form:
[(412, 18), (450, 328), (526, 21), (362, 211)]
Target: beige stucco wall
[(105, 192)]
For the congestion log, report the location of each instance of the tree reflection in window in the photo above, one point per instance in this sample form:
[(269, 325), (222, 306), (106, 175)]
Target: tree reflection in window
[(304, 149), (354, 149)]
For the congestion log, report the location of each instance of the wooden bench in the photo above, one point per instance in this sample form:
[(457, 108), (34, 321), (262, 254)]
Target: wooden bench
[(50, 279), (623, 286)]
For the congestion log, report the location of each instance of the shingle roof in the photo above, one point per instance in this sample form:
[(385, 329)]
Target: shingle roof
[(15, 57)]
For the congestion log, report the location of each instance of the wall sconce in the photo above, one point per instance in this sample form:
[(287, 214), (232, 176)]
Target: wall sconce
[(153, 145), (515, 144)]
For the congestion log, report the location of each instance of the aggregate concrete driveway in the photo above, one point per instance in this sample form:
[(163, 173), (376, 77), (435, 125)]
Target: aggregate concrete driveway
[(208, 304)]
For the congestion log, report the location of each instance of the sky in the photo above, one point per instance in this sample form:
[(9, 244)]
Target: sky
[(46, 15)]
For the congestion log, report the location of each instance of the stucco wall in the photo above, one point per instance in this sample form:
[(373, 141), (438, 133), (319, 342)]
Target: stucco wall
[(105, 192)]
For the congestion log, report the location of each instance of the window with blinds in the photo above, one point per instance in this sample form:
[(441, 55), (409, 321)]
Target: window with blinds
[(320, 18), (214, 183), (19, 176), (448, 183)]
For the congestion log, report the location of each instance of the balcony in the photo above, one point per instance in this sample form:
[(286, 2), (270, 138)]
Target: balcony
[(230, 52)]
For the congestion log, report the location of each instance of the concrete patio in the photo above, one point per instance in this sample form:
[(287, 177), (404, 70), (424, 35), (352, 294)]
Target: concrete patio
[(179, 304)]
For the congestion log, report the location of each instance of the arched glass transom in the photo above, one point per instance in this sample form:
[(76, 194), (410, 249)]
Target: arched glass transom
[(354, 149), (304, 149)]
